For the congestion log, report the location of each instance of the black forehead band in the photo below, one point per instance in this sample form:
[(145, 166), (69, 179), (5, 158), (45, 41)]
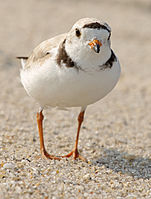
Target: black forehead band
[(96, 25)]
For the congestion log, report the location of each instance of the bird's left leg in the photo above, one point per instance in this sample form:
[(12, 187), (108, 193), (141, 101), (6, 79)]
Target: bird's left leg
[(75, 152)]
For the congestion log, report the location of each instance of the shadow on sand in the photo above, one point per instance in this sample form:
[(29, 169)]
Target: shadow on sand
[(125, 163)]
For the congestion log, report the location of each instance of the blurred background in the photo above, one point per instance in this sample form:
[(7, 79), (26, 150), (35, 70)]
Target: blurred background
[(24, 24)]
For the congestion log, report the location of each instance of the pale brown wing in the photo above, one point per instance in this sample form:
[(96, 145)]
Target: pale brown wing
[(42, 51)]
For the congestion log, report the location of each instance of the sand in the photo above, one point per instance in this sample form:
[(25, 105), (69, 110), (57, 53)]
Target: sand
[(116, 134)]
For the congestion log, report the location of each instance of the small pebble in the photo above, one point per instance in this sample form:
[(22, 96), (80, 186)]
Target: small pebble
[(87, 177), (86, 195), (9, 165)]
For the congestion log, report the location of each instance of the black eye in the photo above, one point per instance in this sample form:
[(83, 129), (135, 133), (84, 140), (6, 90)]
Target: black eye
[(78, 33)]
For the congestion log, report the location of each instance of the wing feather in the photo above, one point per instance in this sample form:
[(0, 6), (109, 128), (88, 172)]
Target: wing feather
[(43, 51)]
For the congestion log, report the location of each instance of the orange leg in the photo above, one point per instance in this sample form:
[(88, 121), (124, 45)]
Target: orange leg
[(75, 152), (44, 153)]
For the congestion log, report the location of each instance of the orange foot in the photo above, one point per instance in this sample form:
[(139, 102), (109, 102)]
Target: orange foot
[(47, 156), (75, 155)]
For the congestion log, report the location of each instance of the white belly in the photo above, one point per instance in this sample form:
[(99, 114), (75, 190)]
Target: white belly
[(68, 87)]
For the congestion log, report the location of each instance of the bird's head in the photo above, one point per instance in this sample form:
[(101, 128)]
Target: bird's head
[(88, 42)]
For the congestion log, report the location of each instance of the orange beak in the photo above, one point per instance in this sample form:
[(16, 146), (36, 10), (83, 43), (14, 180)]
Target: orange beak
[(95, 45)]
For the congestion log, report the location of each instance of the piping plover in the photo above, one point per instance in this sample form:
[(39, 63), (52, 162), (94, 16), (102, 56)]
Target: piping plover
[(74, 69)]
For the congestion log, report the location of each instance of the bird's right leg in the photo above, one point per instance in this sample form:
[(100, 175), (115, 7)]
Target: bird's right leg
[(44, 153)]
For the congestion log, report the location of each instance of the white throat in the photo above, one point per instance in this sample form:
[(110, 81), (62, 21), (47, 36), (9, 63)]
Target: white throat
[(86, 58)]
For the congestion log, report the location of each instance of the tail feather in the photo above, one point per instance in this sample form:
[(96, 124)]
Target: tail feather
[(23, 61)]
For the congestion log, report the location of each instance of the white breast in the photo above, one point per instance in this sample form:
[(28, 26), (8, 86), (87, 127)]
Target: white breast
[(52, 85)]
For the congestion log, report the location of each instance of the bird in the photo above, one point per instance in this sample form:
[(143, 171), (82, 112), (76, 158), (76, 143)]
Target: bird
[(74, 69)]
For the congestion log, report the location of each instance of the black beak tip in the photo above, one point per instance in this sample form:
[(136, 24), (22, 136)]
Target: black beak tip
[(97, 48)]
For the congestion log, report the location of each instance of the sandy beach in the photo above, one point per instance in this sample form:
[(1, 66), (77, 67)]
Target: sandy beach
[(116, 133)]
